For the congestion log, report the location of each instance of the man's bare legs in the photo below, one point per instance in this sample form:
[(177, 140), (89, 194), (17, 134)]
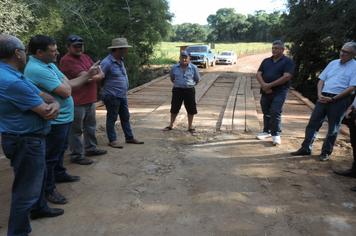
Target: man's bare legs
[(173, 118), (190, 121)]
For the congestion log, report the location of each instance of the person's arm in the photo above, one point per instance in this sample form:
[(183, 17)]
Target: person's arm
[(286, 76), (49, 109), (348, 111), (261, 82), (79, 81), (98, 78)]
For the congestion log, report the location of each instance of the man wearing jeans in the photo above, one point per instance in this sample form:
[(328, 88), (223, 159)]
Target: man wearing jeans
[(336, 83), (25, 120), (274, 76), (75, 64), (116, 84), (41, 71)]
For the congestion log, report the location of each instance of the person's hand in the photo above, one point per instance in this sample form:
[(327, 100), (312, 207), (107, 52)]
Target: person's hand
[(269, 91), (265, 86), (94, 69), (323, 99), (53, 111), (348, 113)]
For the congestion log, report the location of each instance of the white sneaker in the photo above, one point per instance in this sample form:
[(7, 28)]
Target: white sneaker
[(276, 140), (263, 136)]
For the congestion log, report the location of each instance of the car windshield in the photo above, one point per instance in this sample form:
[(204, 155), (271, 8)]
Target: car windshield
[(225, 54), (197, 49)]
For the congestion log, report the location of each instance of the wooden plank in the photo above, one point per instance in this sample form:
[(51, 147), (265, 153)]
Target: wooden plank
[(226, 123), (239, 120), (252, 123)]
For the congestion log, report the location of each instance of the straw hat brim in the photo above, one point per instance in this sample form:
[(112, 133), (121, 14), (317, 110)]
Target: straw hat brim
[(120, 46)]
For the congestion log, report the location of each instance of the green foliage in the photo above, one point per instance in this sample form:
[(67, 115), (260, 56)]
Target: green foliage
[(15, 17), (318, 30), (228, 26), (188, 32), (167, 53)]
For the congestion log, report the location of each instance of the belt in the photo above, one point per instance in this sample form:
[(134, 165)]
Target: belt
[(328, 94), (25, 135)]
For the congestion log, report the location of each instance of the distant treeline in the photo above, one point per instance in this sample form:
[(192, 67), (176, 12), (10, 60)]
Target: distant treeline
[(316, 29)]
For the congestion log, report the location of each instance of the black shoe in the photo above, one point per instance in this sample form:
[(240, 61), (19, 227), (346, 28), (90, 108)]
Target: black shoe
[(52, 212), (300, 153), (96, 152), (347, 173), (83, 161), (56, 198), (68, 179), (324, 157), (353, 189)]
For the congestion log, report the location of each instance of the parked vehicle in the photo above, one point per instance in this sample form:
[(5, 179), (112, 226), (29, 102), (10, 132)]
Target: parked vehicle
[(227, 57), (201, 55)]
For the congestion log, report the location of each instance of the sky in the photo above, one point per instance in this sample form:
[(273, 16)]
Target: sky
[(196, 11)]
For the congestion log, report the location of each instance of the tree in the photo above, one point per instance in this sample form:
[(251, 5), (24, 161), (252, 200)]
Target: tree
[(227, 25), (317, 29), (15, 17), (188, 32)]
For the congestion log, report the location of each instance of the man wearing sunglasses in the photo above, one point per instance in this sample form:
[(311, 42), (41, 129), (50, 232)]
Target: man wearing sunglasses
[(73, 65), (25, 118), (336, 83)]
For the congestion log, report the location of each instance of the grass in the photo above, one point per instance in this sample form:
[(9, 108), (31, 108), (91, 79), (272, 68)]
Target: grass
[(167, 53)]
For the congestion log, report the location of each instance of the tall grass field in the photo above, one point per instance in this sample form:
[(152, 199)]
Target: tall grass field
[(167, 53)]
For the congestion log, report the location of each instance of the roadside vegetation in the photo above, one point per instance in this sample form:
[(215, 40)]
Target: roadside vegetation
[(167, 53)]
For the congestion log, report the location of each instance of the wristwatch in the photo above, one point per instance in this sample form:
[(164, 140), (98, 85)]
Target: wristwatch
[(332, 99)]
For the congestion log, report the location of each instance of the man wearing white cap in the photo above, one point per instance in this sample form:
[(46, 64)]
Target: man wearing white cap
[(115, 86)]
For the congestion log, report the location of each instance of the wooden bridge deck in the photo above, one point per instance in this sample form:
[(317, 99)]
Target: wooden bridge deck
[(225, 103)]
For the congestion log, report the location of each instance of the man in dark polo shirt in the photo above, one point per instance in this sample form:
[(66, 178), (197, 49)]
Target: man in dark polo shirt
[(73, 65), (274, 76), (25, 120)]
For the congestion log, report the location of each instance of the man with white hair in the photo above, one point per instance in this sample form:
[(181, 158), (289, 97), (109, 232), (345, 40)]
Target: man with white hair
[(335, 86), (115, 86)]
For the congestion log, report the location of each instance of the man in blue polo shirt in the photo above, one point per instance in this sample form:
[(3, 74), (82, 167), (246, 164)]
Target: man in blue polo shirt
[(41, 71), (274, 76), (336, 83), (184, 76), (116, 84), (25, 120)]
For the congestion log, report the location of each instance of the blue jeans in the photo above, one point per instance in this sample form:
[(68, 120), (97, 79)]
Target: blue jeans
[(27, 155), (334, 111), (272, 107), (56, 145), (117, 107), (84, 123)]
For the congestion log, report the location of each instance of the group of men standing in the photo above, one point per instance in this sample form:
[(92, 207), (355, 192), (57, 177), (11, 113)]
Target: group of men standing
[(46, 110), (336, 84)]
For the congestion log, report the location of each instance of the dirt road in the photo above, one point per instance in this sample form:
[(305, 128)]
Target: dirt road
[(208, 183)]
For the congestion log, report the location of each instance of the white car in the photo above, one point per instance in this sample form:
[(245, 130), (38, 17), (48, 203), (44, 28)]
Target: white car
[(227, 57)]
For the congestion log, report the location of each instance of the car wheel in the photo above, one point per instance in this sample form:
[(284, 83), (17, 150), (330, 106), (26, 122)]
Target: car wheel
[(213, 64), (206, 64)]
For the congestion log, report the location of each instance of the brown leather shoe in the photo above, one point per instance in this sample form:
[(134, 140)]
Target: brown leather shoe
[(115, 144), (134, 141)]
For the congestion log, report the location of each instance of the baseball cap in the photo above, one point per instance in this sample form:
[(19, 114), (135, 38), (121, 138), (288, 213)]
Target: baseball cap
[(185, 53), (74, 40)]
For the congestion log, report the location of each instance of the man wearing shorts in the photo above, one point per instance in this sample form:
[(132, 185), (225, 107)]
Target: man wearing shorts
[(184, 76)]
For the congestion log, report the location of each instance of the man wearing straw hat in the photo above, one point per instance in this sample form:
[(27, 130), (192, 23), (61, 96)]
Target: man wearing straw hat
[(115, 86)]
